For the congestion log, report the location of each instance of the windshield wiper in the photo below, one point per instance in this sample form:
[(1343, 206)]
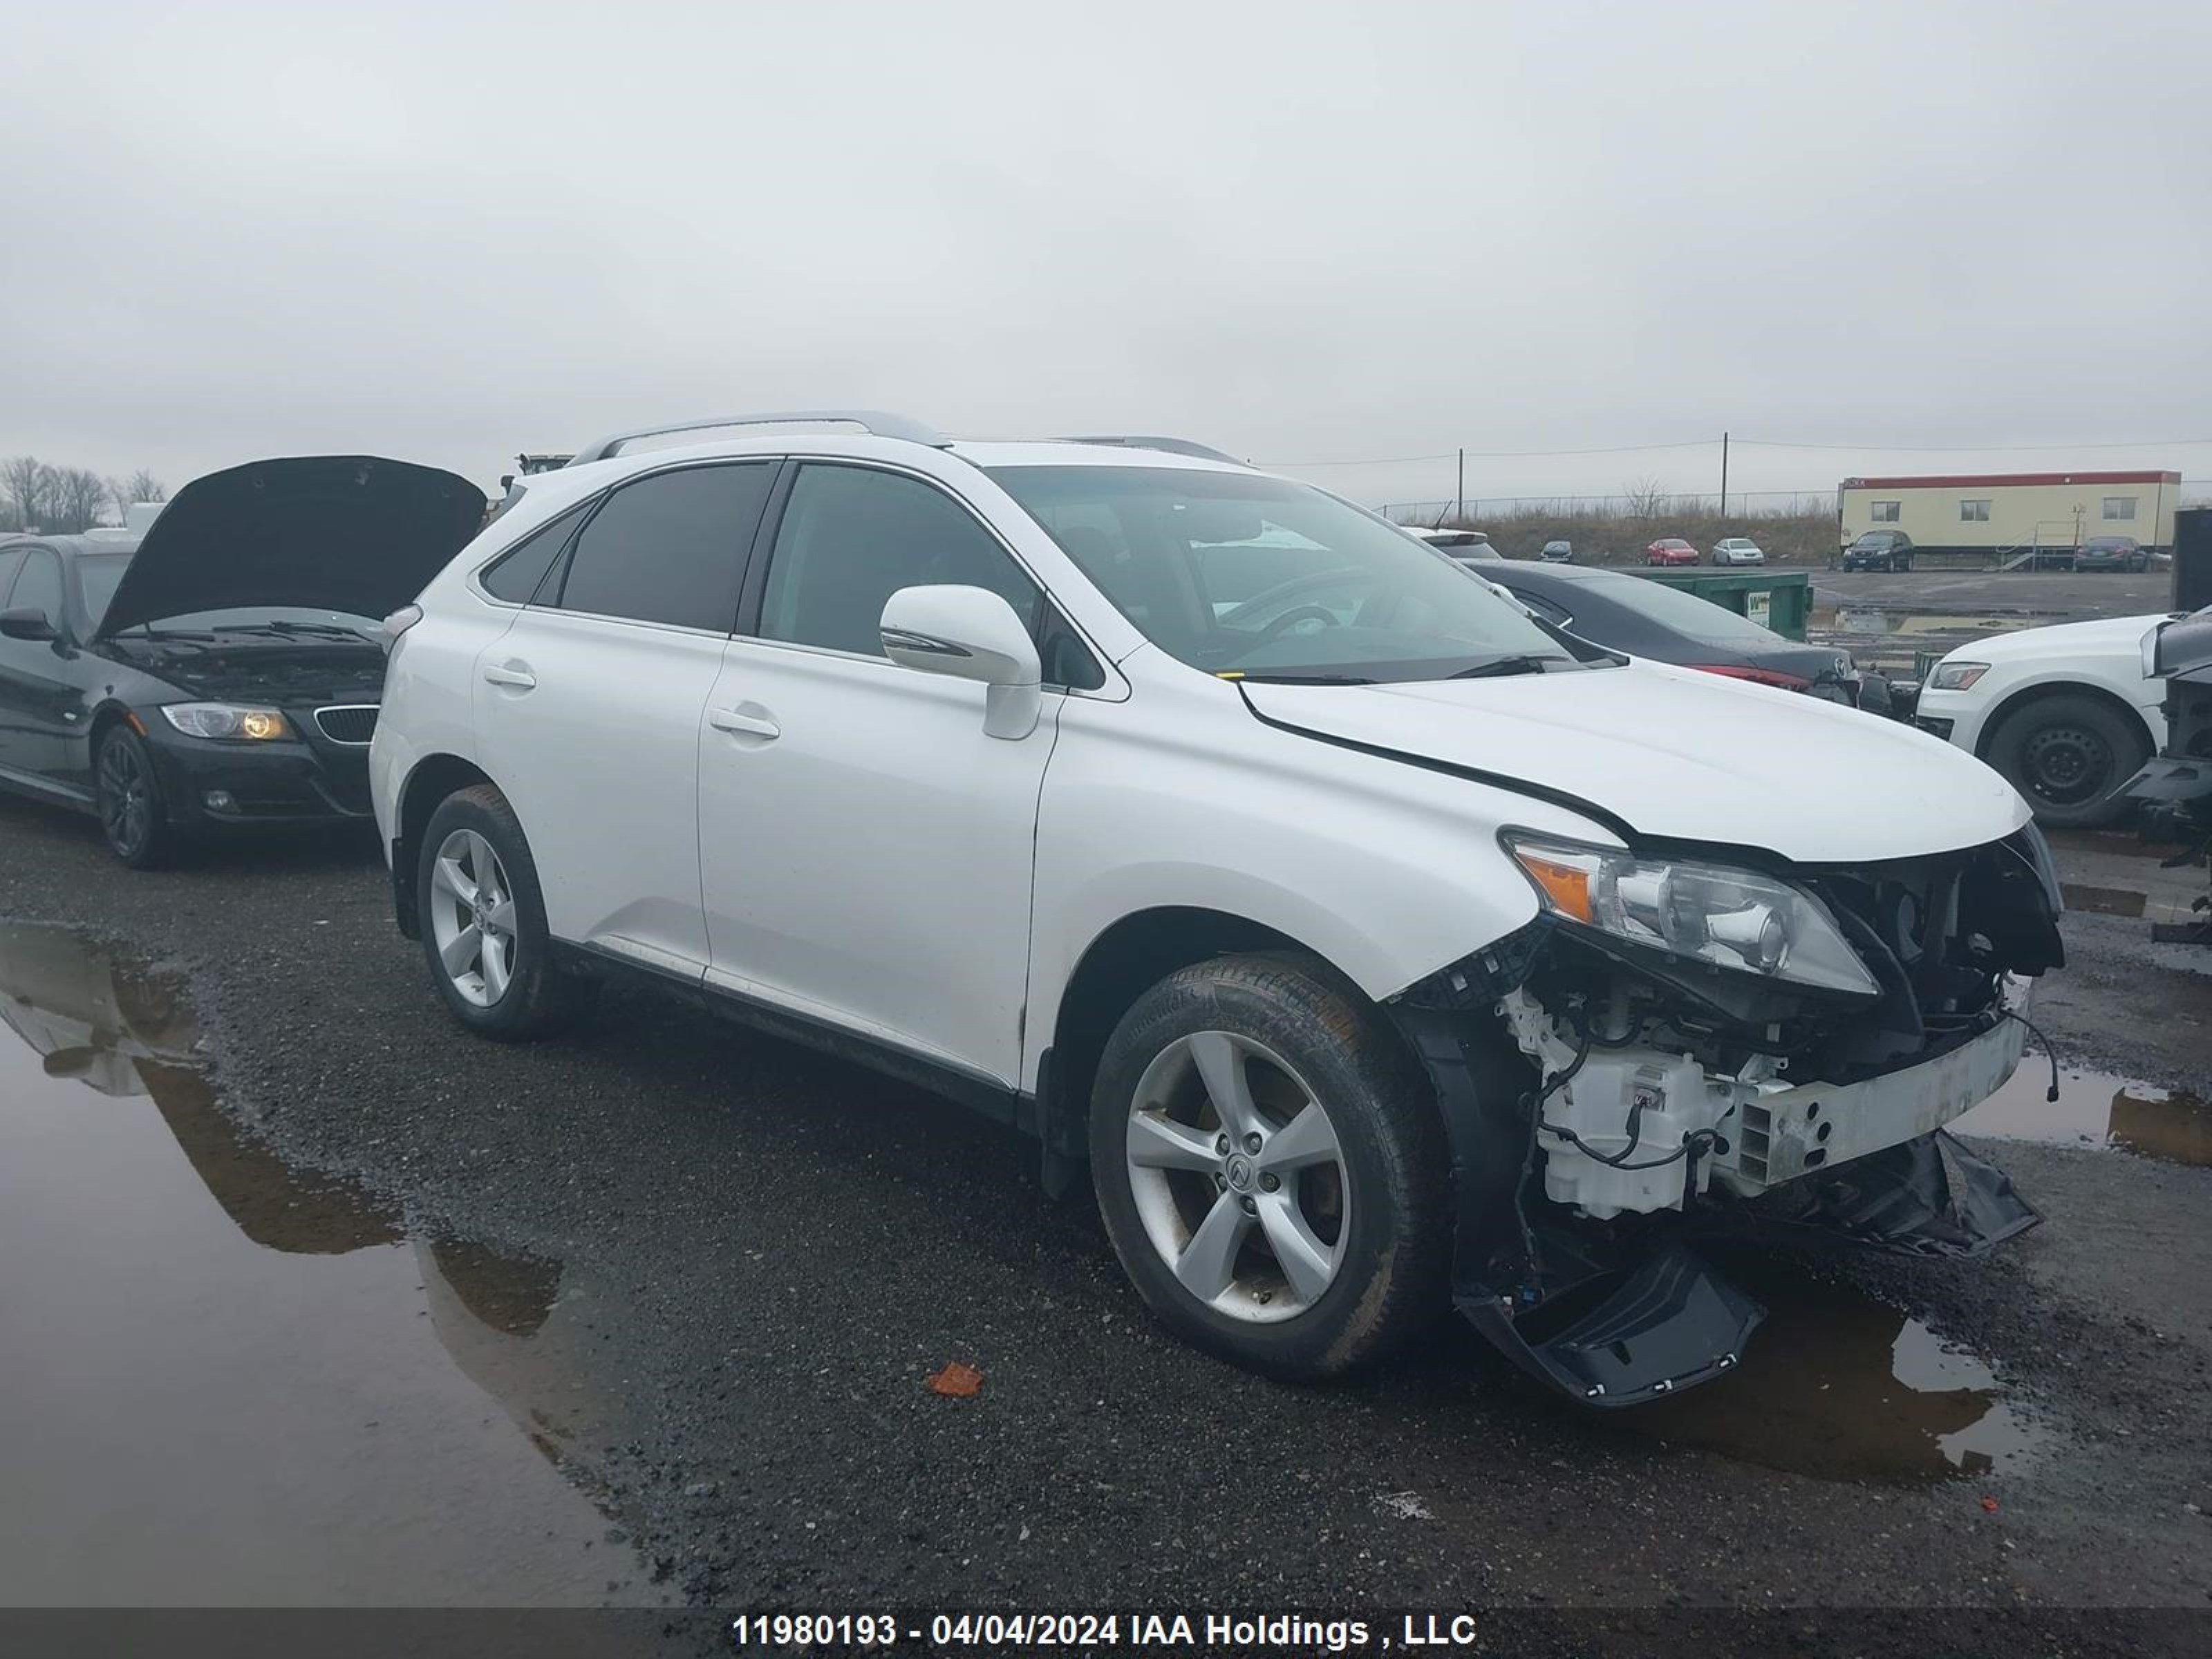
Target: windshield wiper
[(148, 631), (1498, 667), (1293, 679), (319, 630)]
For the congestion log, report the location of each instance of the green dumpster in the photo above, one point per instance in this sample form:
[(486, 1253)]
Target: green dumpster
[(1779, 599)]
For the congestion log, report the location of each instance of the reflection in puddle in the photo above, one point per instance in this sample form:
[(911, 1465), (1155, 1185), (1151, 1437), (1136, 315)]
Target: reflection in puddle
[(233, 1383), (2100, 1109), (1841, 1387)]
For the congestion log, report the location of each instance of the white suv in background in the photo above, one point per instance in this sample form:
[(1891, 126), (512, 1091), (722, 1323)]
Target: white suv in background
[(1376, 944), (2065, 713)]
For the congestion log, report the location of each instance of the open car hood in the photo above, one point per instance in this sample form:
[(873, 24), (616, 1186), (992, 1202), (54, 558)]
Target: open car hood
[(1681, 754), (354, 533)]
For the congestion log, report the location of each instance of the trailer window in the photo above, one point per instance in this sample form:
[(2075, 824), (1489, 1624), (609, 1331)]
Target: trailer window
[(1886, 512), (2119, 506), (1973, 512)]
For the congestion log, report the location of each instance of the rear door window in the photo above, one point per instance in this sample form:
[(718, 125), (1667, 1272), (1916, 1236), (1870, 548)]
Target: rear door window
[(670, 548), (514, 575)]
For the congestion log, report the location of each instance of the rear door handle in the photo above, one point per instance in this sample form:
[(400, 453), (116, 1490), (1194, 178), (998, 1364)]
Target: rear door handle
[(520, 678), (752, 726)]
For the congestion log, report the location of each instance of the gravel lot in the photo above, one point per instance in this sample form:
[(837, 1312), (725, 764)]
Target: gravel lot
[(763, 1255), (2049, 596)]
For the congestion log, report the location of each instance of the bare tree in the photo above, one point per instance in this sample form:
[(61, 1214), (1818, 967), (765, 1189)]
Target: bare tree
[(78, 496), (22, 481), (1645, 498), (140, 486)]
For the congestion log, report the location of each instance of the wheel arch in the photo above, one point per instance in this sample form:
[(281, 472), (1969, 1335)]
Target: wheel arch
[(2023, 696), (108, 715), (1122, 962), (434, 777)]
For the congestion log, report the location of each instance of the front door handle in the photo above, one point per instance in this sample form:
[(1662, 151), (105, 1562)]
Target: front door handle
[(751, 725), (514, 674)]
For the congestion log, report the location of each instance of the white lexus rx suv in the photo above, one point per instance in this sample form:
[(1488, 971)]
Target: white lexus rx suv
[(1374, 944)]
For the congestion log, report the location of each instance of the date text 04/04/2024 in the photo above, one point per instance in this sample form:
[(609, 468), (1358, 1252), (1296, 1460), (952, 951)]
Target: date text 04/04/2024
[(1088, 1631)]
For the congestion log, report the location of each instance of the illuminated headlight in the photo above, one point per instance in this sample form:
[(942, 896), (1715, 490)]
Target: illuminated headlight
[(226, 720), (1731, 918), (1956, 675)]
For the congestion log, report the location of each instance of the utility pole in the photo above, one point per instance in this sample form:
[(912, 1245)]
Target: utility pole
[(1723, 475), (1459, 493)]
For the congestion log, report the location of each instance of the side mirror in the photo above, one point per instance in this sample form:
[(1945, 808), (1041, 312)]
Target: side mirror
[(968, 634), (28, 622)]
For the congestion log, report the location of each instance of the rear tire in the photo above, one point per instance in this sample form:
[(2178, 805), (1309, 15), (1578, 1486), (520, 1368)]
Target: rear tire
[(2068, 753), (1306, 1229), (484, 924)]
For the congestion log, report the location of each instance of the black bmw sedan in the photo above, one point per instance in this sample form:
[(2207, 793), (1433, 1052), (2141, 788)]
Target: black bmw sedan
[(224, 672), (1649, 619)]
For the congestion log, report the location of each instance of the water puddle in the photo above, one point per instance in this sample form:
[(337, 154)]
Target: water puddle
[(2096, 1108), (229, 1384), (1852, 619), (1840, 1387)]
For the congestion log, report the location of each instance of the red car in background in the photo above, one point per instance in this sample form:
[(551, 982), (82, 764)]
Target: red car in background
[(1670, 550)]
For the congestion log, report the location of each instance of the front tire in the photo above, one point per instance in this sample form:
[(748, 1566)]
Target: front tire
[(134, 816), (483, 925), (1271, 1167), (2068, 753)]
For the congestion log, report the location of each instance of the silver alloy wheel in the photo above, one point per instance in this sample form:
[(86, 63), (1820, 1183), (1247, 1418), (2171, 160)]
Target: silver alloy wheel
[(1239, 1177), (472, 918)]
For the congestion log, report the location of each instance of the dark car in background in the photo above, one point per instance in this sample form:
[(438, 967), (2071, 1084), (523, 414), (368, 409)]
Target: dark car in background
[(2122, 553), (1651, 619), (1556, 553), (1880, 550), (226, 669)]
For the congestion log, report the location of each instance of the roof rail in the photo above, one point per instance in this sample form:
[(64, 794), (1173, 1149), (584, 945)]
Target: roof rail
[(1170, 445), (868, 420)]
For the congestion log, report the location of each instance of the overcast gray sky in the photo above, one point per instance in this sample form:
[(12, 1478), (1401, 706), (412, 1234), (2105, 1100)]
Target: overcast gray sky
[(1303, 233)]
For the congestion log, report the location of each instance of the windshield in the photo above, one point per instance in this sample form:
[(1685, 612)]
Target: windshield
[(2107, 544), (1873, 538), (1238, 574), (99, 574)]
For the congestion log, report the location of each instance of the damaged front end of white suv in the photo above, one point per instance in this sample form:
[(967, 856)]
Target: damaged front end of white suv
[(1683, 1047)]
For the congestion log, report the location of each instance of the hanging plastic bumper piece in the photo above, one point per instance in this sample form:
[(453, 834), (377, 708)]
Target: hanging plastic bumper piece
[(1617, 1314)]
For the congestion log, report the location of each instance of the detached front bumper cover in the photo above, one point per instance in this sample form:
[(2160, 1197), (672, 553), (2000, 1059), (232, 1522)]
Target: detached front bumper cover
[(1619, 1314)]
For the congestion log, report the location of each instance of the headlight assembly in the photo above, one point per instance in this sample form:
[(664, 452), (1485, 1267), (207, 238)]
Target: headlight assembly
[(1956, 675), (1733, 918), (226, 719)]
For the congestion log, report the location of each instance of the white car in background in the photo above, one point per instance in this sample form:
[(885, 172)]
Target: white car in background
[(1738, 549), (1465, 545), (2064, 713)]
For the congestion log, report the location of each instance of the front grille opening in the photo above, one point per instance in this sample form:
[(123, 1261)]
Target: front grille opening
[(353, 723)]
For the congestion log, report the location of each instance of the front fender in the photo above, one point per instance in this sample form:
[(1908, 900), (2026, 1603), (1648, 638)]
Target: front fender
[(1387, 871)]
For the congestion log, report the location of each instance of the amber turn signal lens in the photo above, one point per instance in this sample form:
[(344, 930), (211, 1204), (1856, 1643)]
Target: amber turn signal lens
[(1566, 887)]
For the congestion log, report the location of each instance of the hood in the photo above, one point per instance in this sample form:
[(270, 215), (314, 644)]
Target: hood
[(323, 532), (2117, 636), (1685, 755)]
